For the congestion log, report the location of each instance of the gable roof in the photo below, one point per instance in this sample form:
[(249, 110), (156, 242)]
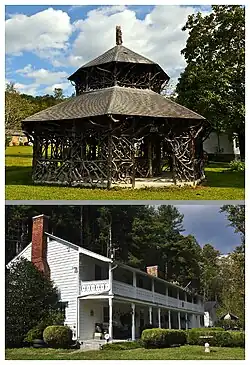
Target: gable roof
[(115, 100), (80, 249), (18, 255)]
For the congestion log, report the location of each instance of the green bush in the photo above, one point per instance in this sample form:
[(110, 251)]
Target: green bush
[(220, 338), (229, 324), (160, 337), (55, 318), (238, 338), (208, 329), (117, 346), (58, 336), (237, 165)]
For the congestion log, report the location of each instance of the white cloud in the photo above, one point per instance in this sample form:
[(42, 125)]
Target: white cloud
[(158, 37), (30, 89), (46, 30), (42, 76), (64, 85)]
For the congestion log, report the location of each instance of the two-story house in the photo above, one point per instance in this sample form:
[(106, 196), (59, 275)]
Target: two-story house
[(95, 289)]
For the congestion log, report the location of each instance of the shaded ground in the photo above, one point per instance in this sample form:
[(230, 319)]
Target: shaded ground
[(221, 184), (182, 353)]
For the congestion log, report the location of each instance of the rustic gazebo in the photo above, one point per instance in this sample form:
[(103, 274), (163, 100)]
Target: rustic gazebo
[(118, 129)]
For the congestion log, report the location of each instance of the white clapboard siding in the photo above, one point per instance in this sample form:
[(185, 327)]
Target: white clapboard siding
[(90, 312), (63, 263)]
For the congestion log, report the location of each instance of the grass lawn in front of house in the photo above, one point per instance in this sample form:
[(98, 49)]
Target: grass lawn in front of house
[(178, 353), (221, 184)]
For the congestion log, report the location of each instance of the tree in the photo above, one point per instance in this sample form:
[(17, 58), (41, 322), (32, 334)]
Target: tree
[(236, 216), (30, 297), (183, 258), (232, 295), (213, 82), (210, 279), (58, 94), (17, 108)]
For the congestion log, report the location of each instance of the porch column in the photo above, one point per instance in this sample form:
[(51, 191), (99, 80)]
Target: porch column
[(110, 279), (179, 320), (159, 317), (133, 321), (110, 318), (169, 319), (150, 315), (186, 319)]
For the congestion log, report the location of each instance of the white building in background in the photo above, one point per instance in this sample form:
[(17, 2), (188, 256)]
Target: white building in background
[(222, 146), (210, 313), (98, 291)]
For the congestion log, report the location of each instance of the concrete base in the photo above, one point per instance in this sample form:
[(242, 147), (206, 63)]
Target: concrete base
[(140, 183)]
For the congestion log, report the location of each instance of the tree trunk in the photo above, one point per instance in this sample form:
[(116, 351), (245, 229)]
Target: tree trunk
[(241, 136)]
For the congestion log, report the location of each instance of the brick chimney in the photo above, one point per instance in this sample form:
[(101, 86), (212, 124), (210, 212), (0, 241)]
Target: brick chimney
[(39, 244), (153, 270)]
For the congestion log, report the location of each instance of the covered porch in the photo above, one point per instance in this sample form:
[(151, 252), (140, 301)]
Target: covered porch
[(124, 319)]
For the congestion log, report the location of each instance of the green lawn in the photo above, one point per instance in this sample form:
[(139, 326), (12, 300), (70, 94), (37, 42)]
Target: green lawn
[(221, 184), (181, 353)]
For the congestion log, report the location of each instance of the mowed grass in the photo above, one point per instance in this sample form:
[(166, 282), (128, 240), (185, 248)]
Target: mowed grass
[(221, 184), (181, 353)]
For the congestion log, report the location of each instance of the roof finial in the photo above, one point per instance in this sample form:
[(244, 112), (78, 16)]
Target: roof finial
[(118, 35)]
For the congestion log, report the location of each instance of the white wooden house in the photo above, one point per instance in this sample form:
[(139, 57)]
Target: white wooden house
[(222, 147), (98, 290)]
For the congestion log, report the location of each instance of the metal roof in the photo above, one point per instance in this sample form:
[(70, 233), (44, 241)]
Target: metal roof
[(115, 100)]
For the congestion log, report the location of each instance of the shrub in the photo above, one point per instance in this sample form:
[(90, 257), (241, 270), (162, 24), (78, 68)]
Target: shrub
[(58, 336), (238, 338), (237, 165), (160, 337), (117, 346), (220, 338), (55, 318), (208, 329), (229, 324)]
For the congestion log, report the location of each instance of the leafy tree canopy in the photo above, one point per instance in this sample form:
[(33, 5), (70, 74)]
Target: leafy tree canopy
[(213, 82), (30, 297)]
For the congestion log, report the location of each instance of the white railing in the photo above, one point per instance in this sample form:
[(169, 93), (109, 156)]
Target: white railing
[(129, 291), (94, 287)]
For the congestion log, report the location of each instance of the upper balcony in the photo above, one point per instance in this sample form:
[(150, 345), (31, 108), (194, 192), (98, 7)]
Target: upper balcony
[(134, 284), (132, 292)]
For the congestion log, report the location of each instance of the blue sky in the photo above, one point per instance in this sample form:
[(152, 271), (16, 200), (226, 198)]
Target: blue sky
[(208, 225), (45, 44)]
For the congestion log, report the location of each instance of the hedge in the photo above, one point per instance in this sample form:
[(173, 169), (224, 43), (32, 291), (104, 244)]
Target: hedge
[(126, 345), (160, 337), (58, 336), (209, 329), (219, 339)]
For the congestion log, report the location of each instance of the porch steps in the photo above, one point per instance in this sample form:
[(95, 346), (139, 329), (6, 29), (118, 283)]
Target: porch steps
[(88, 345)]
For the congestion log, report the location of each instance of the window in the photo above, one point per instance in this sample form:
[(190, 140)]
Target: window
[(98, 272), (62, 307), (105, 314)]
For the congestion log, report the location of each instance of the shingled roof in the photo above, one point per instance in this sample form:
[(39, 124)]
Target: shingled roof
[(117, 101), (118, 53)]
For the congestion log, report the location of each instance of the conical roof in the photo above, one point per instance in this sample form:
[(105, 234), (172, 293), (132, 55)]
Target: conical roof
[(119, 54), (115, 100)]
